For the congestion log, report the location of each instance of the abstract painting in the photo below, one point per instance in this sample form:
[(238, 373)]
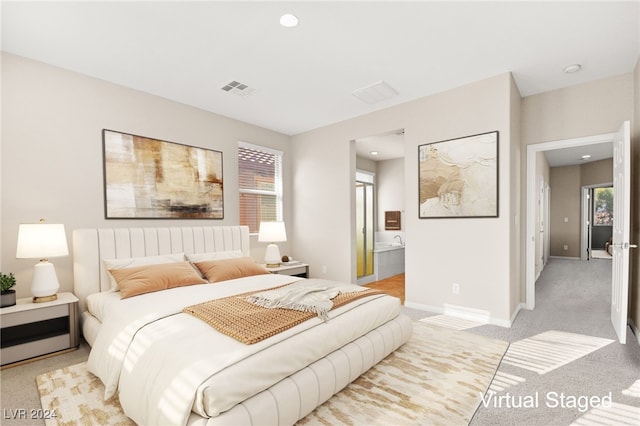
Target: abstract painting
[(459, 177), (148, 178)]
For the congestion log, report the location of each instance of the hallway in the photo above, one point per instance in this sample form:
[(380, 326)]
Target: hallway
[(572, 296)]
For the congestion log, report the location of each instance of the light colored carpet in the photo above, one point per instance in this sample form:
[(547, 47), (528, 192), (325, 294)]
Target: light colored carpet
[(634, 390), (611, 415), (503, 381), (552, 349), (438, 377)]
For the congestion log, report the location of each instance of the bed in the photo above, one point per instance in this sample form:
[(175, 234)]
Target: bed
[(170, 367)]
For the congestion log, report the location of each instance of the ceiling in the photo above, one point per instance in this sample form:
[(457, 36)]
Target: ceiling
[(303, 78), (386, 146), (572, 156)]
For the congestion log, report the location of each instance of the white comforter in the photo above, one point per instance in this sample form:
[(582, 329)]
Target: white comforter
[(165, 363)]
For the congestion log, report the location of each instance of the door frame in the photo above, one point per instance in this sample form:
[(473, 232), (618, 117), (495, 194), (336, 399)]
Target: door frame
[(586, 227), (530, 246), (585, 223)]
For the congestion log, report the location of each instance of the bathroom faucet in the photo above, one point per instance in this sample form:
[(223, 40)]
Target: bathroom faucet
[(400, 238)]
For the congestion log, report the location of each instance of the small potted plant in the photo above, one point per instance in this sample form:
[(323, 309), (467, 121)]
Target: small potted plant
[(7, 295)]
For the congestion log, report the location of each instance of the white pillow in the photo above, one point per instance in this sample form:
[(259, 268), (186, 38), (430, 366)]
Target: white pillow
[(215, 255), (132, 262)]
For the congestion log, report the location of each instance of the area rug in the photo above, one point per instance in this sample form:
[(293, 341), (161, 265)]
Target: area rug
[(438, 377)]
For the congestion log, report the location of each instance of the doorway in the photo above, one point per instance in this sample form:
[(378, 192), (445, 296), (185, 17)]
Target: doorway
[(533, 209), (620, 142), (597, 221), (365, 221), (379, 182)]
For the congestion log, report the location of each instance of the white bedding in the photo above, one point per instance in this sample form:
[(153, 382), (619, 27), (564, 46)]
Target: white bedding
[(165, 363)]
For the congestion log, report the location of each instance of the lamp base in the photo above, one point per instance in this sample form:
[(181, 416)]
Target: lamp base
[(45, 299), (44, 284), (272, 256)]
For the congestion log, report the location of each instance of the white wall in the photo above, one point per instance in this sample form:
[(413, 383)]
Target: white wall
[(390, 190), (323, 168), (517, 230), (52, 153), (587, 109)]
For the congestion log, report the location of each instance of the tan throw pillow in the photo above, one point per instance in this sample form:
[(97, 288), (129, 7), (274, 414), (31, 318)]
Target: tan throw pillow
[(150, 278), (228, 269), (132, 262)]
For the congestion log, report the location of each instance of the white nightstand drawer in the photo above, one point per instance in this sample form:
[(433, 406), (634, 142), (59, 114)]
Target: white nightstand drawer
[(34, 315), (299, 269), (294, 270), (35, 348)]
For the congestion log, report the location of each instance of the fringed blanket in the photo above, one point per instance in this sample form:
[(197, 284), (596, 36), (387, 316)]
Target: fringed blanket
[(243, 318), (313, 296)]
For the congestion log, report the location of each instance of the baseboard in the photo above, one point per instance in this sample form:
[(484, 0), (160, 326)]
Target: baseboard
[(635, 330), (463, 312), (565, 257), (367, 279), (476, 315), (520, 307), (427, 308)]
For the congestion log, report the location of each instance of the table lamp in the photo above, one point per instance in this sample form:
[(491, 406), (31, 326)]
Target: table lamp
[(272, 232), (42, 241)]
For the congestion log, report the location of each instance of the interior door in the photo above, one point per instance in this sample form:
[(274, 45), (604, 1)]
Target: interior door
[(621, 224)]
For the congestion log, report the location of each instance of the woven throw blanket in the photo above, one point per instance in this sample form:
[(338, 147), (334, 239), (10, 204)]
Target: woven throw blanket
[(249, 323), (308, 296)]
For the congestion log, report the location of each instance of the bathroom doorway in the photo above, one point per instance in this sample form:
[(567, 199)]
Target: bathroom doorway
[(379, 177), (365, 222)]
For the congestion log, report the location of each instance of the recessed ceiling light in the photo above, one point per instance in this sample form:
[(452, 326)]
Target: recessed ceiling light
[(570, 69), (585, 157), (374, 153), (288, 20)]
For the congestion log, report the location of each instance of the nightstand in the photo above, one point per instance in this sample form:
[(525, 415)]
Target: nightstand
[(297, 269), (31, 330)]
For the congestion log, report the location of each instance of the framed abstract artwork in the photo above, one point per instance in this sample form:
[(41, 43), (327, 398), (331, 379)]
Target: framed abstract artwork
[(147, 178), (458, 178)]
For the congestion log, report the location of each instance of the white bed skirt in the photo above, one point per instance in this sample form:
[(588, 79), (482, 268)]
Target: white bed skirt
[(285, 404)]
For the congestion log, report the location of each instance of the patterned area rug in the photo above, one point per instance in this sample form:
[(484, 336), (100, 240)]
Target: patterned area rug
[(438, 377)]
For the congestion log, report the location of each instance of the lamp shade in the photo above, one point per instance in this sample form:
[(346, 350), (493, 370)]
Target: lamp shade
[(41, 241), (272, 232)]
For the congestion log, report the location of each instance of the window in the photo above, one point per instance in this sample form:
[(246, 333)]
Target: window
[(259, 184), (603, 206)]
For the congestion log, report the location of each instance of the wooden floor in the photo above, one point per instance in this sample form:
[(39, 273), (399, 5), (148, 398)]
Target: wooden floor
[(392, 285)]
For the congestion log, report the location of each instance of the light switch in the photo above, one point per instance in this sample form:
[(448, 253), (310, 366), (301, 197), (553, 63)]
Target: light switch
[(566, 219)]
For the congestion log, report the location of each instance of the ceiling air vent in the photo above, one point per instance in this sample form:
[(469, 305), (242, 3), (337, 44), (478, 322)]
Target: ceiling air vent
[(238, 88), (375, 92)]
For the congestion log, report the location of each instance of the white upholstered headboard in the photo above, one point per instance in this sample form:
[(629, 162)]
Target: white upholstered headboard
[(90, 246)]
